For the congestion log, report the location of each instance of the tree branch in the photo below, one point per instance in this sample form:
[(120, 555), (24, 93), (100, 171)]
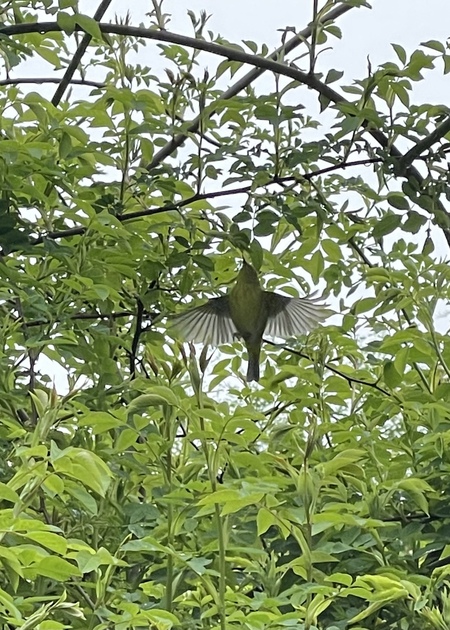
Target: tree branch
[(41, 80), (79, 230), (425, 144), (347, 377), (174, 38), (73, 65), (90, 316)]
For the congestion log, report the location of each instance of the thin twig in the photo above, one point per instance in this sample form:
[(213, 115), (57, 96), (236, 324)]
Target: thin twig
[(79, 230), (347, 377), (88, 316), (314, 29), (136, 338)]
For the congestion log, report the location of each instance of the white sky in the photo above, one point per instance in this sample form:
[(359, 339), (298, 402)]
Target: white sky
[(365, 32)]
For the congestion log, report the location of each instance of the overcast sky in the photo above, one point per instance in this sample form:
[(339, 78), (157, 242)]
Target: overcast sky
[(366, 32)]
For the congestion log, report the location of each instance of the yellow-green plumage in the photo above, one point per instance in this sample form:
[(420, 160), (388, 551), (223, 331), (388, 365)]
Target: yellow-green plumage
[(248, 311), (249, 314)]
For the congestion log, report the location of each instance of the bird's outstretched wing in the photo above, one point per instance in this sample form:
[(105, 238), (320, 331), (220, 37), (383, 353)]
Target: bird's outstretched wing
[(289, 317), (209, 324)]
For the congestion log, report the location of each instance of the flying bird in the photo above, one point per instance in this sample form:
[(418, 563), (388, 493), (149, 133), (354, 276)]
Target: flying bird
[(249, 312)]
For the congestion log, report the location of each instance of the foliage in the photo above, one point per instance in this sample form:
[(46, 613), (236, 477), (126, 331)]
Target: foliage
[(160, 490)]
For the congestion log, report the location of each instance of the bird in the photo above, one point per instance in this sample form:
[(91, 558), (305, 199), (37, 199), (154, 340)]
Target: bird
[(248, 312)]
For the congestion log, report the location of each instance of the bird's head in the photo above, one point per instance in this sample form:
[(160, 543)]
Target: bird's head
[(247, 274)]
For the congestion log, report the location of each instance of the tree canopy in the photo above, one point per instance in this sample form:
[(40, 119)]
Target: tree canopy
[(157, 489)]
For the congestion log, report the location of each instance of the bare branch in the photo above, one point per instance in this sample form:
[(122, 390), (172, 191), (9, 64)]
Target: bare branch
[(73, 65), (425, 144)]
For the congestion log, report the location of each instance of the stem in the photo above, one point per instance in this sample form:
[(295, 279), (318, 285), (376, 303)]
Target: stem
[(170, 537), (222, 566), (314, 29), (437, 348), (169, 580), (221, 542)]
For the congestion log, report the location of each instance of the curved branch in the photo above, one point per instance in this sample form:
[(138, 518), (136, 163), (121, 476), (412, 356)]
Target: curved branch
[(350, 379), (260, 63), (88, 317)]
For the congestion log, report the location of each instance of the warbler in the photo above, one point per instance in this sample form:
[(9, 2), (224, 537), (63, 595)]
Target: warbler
[(247, 311)]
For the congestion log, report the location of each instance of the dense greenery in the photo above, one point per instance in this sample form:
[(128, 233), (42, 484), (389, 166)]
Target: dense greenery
[(158, 489)]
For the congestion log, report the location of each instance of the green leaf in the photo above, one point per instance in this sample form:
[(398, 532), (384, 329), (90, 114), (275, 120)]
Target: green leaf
[(402, 92), (8, 494), (428, 246), (334, 30), (230, 507), (51, 625), (79, 493), (66, 22), (145, 544), (417, 488), (365, 304), (52, 541), (89, 25), (126, 438), (220, 496), (316, 266), (266, 112), (340, 578), (257, 254), (401, 360), (161, 619), (8, 603), (414, 222), (65, 146), (333, 75), (391, 377), (252, 45), (147, 149), (401, 52), (332, 249), (396, 200), (264, 520), (84, 466), (99, 421), (49, 55), (342, 460), (446, 64), (159, 396), (386, 225), (57, 569), (434, 45)]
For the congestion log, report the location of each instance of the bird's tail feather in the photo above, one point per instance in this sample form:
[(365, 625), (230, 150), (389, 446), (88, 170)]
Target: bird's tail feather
[(253, 367)]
